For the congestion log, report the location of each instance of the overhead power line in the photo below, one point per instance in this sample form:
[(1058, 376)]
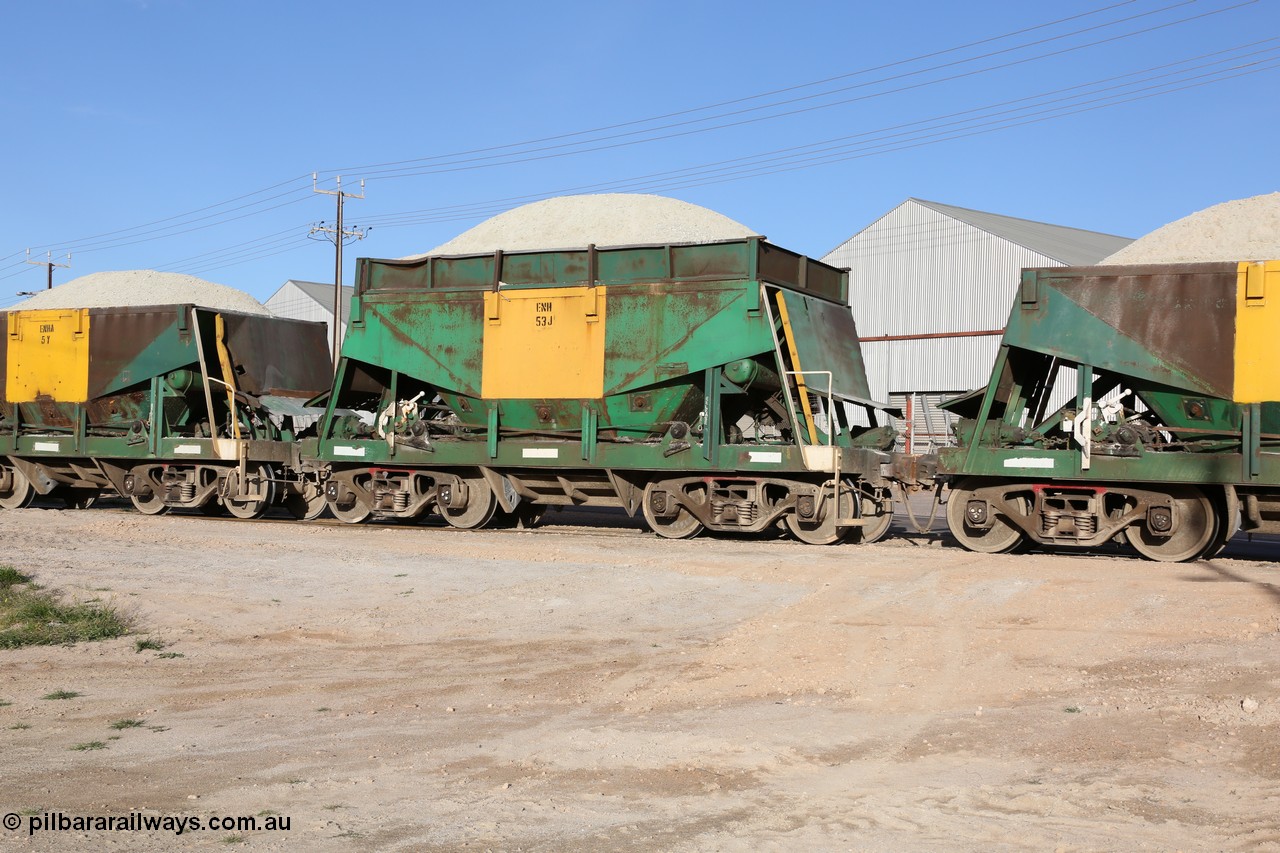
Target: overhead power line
[(217, 214), (713, 117), (1009, 108), (745, 99), (1252, 57), (657, 133)]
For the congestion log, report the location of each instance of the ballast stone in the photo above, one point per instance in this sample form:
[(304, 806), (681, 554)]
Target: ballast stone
[(605, 219), (125, 288), (1246, 229)]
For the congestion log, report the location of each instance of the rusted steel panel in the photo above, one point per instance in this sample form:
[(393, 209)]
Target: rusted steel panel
[(278, 356), (827, 339), (128, 346), (1173, 323)]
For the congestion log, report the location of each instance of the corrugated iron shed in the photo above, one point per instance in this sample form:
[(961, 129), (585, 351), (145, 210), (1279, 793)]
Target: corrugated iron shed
[(930, 287), (309, 300), (1068, 246)]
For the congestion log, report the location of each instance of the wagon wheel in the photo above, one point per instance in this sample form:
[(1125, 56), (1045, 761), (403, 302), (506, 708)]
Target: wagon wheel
[(152, 504), (1197, 527), (352, 512), (1000, 538), (481, 506), (682, 525), (252, 507), (307, 503), (525, 516), (16, 491), (213, 507), (823, 530), (79, 497), (529, 516), (878, 520)]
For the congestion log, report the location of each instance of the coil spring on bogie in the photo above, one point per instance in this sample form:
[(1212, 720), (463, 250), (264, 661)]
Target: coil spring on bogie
[(188, 492), (744, 513), (1086, 526), (401, 501), (1049, 522)]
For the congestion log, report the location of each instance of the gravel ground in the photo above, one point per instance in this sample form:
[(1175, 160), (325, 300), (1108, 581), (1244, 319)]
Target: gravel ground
[(123, 288), (592, 687), (607, 219), (1246, 229)]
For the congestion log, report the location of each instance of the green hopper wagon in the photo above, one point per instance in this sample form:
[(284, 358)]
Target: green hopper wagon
[(173, 406), (715, 386), (1135, 404)]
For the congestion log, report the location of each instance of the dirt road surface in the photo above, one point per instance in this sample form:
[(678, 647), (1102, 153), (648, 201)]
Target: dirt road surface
[(588, 687)]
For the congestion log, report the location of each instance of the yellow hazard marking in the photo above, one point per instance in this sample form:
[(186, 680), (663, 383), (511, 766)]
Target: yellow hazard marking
[(1257, 352), (228, 371), (48, 355), (544, 343), (801, 388)]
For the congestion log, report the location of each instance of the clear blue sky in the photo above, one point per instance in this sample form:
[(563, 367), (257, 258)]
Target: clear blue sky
[(123, 113)]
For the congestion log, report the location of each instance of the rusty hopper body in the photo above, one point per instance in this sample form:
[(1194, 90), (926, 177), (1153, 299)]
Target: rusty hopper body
[(1169, 436), (705, 385), (171, 405)]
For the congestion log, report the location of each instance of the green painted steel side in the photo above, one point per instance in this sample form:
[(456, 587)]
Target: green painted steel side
[(688, 340), (1164, 334), (146, 392)]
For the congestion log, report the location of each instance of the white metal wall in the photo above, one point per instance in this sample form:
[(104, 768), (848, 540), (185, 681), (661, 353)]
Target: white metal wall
[(292, 301), (916, 271)]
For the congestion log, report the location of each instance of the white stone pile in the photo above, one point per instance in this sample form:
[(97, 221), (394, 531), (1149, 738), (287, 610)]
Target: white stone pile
[(123, 288), (1246, 229), (606, 219)]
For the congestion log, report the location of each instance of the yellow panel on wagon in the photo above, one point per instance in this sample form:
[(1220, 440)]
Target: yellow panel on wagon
[(544, 343), (1257, 332), (48, 355)]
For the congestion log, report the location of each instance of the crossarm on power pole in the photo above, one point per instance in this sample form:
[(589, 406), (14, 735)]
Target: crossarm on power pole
[(339, 236)]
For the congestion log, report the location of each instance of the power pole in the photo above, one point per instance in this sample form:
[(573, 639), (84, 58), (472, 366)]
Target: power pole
[(49, 264), (339, 236)]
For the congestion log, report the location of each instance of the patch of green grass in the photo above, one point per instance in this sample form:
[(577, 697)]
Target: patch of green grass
[(126, 724), (20, 726), (11, 577), (1072, 709), (31, 812), (113, 737), (158, 728), (170, 655), (406, 574), (32, 616), (5, 704), (91, 745), (61, 694), (267, 812), (146, 644), (236, 839), (322, 710)]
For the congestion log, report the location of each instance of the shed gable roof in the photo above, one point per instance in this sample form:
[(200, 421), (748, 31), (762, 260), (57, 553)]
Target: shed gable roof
[(322, 293), (1070, 246)]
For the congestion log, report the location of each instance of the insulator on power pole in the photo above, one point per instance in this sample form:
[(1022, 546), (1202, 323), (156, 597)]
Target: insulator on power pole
[(340, 236)]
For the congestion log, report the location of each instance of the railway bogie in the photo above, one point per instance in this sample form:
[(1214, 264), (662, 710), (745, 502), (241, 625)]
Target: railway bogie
[(1134, 405), (172, 406), (707, 387)]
